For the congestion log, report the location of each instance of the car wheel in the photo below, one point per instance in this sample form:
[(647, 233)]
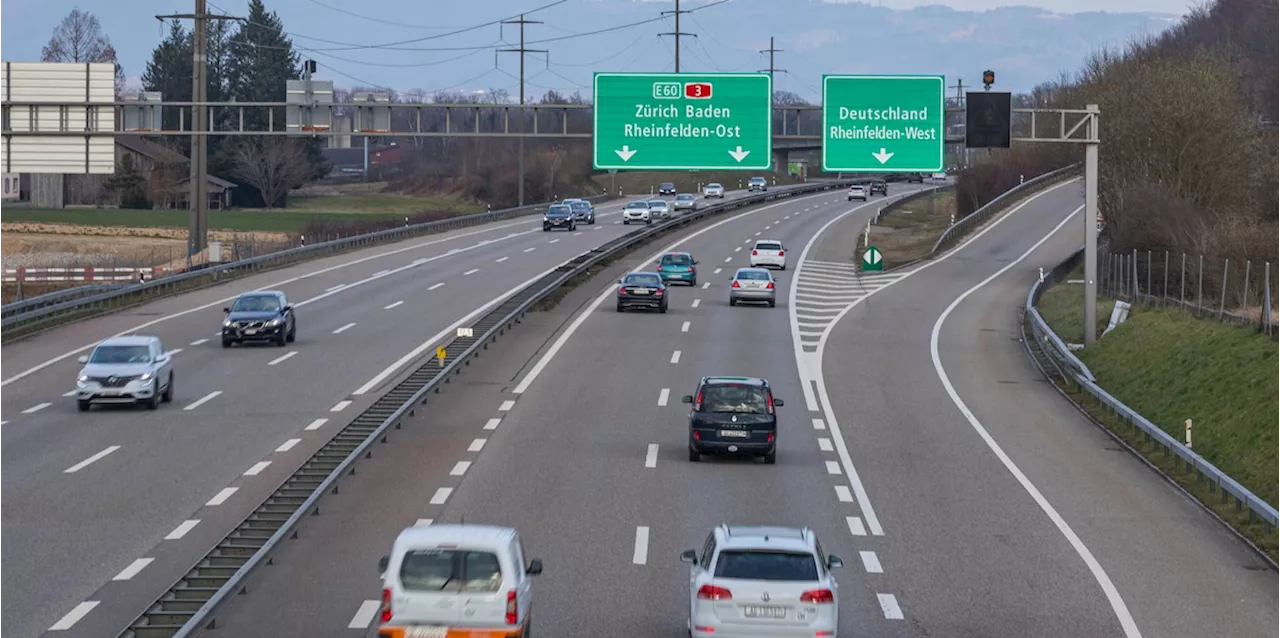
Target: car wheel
[(732, 302), (293, 334), (167, 397), (226, 343), (771, 458), (693, 282), (694, 456), (773, 302), (153, 402), (620, 308), (662, 309), (626, 222), (82, 405), (282, 340), (648, 221)]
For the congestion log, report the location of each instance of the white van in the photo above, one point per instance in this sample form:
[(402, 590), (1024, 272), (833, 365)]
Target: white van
[(446, 580)]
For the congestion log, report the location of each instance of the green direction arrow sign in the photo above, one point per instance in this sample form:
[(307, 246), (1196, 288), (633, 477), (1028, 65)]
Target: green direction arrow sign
[(872, 259), (683, 121), (883, 123)]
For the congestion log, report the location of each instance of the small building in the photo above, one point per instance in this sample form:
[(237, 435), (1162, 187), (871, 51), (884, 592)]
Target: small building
[(218, 191)]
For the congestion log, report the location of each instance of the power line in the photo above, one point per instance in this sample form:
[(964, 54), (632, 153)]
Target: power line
[(605, 59), (522, 51), (393, 23), (349, 46), (677, 33)]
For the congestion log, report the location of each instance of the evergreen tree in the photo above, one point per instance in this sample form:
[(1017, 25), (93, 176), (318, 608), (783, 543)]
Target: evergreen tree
[(169, 72), (129, 184), (260, 63)]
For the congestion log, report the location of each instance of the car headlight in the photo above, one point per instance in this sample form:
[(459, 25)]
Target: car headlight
[(84, 378), (274, 322), (146, 376), (226, 324)]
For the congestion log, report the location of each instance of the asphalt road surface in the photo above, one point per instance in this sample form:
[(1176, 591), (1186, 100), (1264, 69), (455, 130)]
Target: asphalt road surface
[(114, 505), (589, 462)]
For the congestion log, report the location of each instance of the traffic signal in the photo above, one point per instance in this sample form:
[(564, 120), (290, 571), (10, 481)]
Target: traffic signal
[(988, 78)]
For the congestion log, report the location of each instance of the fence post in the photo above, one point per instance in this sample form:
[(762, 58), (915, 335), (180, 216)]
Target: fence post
[(1182, 284), (1164, 289), (1133, 277), (1244, 299), (1266, 298), (1200, 287), (1222, 306), (1150, 291)]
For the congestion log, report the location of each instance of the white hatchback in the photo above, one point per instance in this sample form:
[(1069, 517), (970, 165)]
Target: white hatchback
[(762, 581), (769, 253)]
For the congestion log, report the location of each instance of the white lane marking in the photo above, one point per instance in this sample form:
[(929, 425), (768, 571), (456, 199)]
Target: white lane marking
[(340, 406), (641, 553), (182, 529), (477, 445), (433, 340), (36, 408), (553, 241), (506, 406), (472, 271), (789, 217), (435, 286), (889, 605), (133, 569), (602, 227), (684, 327), (70, 393), (364, 615), (174, 351), (717, 271), (492, 424), (283, 358), (199, 342), (203, 400), (728, 259), (608, 292), (855, 526), (74, 616), (1118, 605), (530, 249), (824, 444), (757, 234), (707, 284), (577, 233), (382, 273), (842, 493), (501, 259), (316, 424), (344, 328), (675, 357), (871, 562), (663, 396), (91, 460), (393, 305), (651, 456), (288, 445), (833, 467), (819, 425), (737, 250), (222, 496), (748, 241), (460, 468), (335, 288), (441, 495), (696, 302), (423, 522), (216, 334), (257, 468)]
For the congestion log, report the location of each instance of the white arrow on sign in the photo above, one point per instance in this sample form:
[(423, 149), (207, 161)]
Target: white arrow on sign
[(872, 256), (625, 153), (883, 155), (739, 154)]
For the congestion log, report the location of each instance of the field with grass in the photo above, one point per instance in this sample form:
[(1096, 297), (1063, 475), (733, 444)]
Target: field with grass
[(907, 233), (641, 182), (1170, 366)]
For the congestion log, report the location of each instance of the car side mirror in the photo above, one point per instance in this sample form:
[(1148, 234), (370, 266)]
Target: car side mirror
[(287, 308), (226, 311), (777, 403), (163, 358), (688, 398), (696, 262), (535, 567), (834, 562), (84, 358), (383, 563), (689, 556)]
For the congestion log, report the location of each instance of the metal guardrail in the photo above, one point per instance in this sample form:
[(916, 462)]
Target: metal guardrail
[(59, 312), (21, 306), (958, 229), (1077, 373), (193, 600)]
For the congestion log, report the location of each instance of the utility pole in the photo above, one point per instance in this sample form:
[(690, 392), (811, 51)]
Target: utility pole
[(198, 206), (771, 50), (677, 33), (960, 102), (522, 51)]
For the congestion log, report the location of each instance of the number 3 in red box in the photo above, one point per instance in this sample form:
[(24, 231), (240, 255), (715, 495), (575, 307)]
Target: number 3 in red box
[(697, 90)]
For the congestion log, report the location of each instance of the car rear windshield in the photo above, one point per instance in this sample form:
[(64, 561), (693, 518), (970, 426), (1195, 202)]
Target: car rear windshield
[(256, 303), (657, 202), (559, 210), (714, 186), (668, 185), (684, 198), (757, 180), (676, 260), (579, 205), (121, 354), (450, 570), (644, 205), (742, 399), (642, 280), (766, 565), (768, 246), (753, 275)]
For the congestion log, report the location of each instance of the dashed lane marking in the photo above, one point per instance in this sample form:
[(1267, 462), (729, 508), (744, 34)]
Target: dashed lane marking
[(684, 327), (91, 460), (460, 468), (663, 396), (203, 400), (477, 445), (824, 444), (316, 424), (364, 615), (833, 468), (651, 456), (435, 286), (675, 357), (843, 493), (696, 303), (133, 569), (889, 605), (855, 526), (282, 358), (441, 496), (506, 406), (199, 342), (501, 259), (340, 406), (257, 468), (36, 408), (641, 554), (471, 272), (492, 424), (182, 529), (871, 562), (74, 616), (222, 496), (288, 445)]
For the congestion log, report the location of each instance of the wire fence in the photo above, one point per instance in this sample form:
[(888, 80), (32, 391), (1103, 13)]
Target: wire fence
[(1230, 290)]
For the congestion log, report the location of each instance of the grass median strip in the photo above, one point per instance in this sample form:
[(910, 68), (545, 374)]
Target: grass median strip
[(906, 233)]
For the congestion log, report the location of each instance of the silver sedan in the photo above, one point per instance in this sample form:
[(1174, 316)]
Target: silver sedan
[(753, 284)]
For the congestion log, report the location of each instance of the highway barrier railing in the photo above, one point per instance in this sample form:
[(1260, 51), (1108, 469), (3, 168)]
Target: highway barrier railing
[(957, 230), (1077, 374), (21, 306), (39, 317), (193, 601)]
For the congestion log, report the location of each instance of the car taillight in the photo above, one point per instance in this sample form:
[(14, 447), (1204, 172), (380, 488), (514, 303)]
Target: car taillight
[(711, 592), (781, 254), (513, 610), (754, 253), (818, 597), (769, 407), (623, 290), (697, 403), (657, 293), (770, 439), (769, 285), (386, 605), (735, 284)]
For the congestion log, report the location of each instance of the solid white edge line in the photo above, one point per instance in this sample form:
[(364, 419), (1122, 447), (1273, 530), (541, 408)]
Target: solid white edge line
[(91, 460), (74, 616), (1118, 605), (889, 605), (663, 397), (133, 569), (441, 495), (586, 312), (651, 456), (641, 553), (364, 615)]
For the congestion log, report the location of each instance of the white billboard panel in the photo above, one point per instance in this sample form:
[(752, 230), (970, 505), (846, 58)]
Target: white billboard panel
[(70, 97)]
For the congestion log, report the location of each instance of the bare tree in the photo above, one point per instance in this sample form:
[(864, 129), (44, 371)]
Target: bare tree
[(272, 165), (79, 38)]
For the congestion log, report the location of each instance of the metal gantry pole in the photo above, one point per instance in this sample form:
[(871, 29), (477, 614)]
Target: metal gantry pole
[(1091, 229)]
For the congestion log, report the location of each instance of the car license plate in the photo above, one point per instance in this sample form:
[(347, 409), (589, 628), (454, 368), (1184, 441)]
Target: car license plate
[(251, 331), (735, 434), (110, 393), (762, 611), (641, 291), (426, 632)]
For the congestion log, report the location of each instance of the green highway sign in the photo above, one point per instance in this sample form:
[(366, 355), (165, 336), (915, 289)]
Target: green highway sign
[(883, 123), (683, 121), (872, 259)]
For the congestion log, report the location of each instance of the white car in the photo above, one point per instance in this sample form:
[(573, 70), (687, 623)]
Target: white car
[(938, 177), (686, 202), (130, 369), (857, 191), (637, 211), (713, 190), (769, 253), (660, 208), (762, 581), (444, 578)]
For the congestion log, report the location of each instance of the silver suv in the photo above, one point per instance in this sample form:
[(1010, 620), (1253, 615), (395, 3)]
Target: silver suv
[(757, 184), (132, 369)]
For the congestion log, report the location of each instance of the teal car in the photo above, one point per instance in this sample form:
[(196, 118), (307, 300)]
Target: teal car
[(680, 267)]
